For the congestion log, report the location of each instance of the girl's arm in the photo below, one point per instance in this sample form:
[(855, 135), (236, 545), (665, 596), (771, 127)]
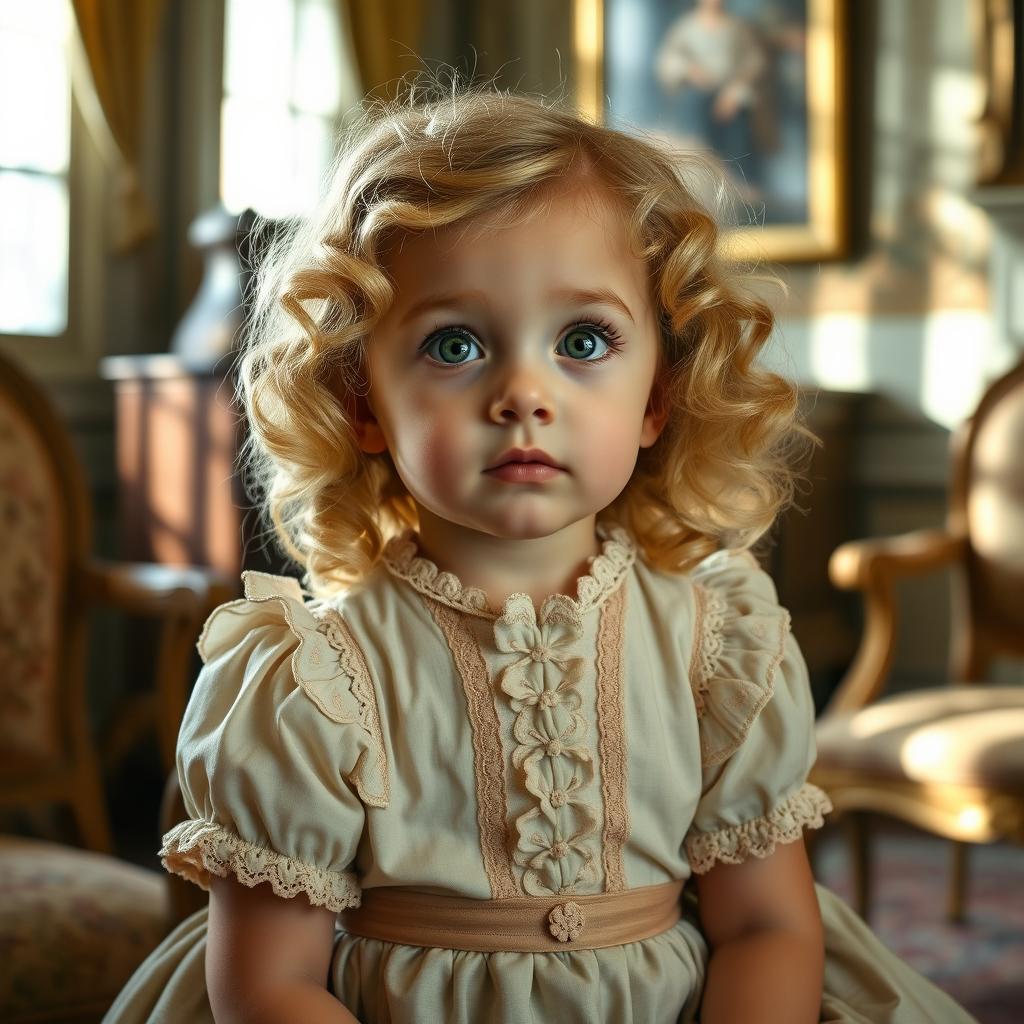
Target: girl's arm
[(762, 921), (267, 958)]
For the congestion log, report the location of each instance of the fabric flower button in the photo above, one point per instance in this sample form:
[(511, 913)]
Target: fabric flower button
[(566, 922), (553, 748)]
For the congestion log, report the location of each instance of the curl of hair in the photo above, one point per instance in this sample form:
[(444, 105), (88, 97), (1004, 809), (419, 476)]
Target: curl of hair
[(723, 467)]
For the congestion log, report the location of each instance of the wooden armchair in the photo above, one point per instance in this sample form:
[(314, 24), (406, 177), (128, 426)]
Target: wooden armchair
[(947, 760), (75, 922)]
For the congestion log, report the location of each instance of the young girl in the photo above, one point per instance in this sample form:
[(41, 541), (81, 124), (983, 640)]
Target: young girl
[(506, 414)]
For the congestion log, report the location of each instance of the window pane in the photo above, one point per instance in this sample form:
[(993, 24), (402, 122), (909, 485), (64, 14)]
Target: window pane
[(48, 18), (314, 138), (33, 134), (256, 158), (317, 85), (33, 254), (258, 49)]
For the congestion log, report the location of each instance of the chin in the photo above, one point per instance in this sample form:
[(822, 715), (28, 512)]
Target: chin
[(527, 527)]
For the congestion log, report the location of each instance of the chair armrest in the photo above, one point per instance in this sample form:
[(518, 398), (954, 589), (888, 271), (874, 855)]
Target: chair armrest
[(157, 591), (180, 599), (873, 566), (853, 565)]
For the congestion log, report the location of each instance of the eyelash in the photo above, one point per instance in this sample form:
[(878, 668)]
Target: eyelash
[(611, 337)]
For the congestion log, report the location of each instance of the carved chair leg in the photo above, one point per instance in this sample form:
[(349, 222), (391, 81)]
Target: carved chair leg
[(956, 908), (856, 825), (89, 808)]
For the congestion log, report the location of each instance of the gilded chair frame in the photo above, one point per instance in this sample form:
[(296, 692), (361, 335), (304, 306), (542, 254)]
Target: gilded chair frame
[(964, 813)]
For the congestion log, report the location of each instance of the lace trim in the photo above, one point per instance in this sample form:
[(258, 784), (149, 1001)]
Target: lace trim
[(607, 569), (611, 726), (353, 664), (198, 849), (785, 823), (488, 760), (707, 652)]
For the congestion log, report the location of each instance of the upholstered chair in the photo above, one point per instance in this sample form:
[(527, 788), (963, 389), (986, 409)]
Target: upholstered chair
[(74, 921), (949, 760)]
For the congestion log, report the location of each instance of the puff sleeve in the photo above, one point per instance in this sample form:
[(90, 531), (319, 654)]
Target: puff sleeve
[(756, 719), (280, 750)]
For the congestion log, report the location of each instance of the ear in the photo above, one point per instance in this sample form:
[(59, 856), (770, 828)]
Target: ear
[(368, 433), (656, 414)]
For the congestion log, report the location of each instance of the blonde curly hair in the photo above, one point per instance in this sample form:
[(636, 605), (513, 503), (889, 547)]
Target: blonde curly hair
[(721, 470)]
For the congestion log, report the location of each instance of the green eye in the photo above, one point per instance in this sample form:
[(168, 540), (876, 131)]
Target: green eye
[(451, 347), (584, 344)]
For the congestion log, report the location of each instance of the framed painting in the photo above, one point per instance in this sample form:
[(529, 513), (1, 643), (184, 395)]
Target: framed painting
[(756, 86)]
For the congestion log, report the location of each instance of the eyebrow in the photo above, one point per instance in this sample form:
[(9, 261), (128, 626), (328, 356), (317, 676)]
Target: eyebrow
[(597, 296), (576, 296), (444, 299)]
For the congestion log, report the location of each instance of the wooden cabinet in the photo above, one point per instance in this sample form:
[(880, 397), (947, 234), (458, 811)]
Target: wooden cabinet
[(180, 498)]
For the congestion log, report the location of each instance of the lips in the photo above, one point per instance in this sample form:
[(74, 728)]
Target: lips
[(528, 455)]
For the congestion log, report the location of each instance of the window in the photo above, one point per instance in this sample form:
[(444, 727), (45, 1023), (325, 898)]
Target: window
[(284, 81), (35, 134)]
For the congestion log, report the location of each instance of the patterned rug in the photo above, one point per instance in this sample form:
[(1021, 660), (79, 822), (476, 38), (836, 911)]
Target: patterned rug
[(981, 962)]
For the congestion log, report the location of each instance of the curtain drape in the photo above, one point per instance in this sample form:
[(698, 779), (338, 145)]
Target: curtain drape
[(385, 37), (118, 37)]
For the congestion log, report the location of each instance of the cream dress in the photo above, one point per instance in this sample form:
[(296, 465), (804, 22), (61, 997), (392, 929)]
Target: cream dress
[(406, 734)]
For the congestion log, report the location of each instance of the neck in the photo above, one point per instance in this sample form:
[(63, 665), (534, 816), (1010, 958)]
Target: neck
[(500, 566)]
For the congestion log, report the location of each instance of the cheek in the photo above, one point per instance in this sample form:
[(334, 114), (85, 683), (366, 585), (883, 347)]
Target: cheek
[(613, 439), (430, 445)]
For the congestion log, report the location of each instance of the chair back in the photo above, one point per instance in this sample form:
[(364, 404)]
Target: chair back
[(45, 525), (987, 506)]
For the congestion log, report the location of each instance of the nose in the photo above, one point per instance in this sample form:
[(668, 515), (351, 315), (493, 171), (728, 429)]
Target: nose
[(522, 394)]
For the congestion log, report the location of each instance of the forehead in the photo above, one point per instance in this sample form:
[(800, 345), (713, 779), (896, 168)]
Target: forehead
[(562, 237)]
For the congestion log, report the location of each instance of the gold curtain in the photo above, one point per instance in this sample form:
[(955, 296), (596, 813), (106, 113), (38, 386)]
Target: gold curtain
[(385, 38), (118, 37)]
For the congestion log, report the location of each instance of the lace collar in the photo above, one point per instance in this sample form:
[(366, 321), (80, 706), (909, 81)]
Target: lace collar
[(606, 572)]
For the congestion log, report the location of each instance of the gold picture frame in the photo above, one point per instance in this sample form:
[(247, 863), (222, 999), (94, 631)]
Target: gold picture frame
[(808, 226), (998, 29)]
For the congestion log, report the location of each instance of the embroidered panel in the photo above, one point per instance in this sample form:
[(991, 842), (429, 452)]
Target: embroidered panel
[(556, 838)]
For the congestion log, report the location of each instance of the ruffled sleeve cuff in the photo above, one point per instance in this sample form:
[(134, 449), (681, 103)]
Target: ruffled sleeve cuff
[(739, 641), (785, 823), (198, 849)]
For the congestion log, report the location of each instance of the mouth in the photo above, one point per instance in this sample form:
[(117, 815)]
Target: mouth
[(521, 457)]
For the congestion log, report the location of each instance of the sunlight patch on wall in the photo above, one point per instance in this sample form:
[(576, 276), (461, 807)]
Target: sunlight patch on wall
[(839, 352), (954, 366)]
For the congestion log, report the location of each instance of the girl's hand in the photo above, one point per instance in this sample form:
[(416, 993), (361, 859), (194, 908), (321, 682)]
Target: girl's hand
[(762, 921)]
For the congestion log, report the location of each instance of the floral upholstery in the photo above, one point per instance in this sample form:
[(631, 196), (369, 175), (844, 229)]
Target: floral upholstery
[(74, 925), (30, 563)]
